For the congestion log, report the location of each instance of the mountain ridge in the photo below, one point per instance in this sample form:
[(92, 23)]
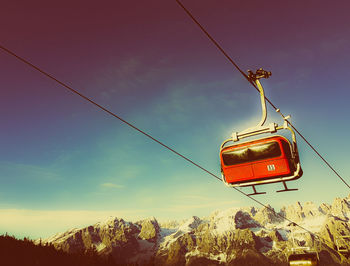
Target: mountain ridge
[(229, 237)]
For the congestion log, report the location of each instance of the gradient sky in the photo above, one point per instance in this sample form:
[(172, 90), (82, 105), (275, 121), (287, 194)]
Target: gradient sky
[(65, 163)]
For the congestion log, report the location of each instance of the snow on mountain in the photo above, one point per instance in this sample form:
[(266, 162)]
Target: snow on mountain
[(231, 219), (168, 237), (341, 208), (232, 236)]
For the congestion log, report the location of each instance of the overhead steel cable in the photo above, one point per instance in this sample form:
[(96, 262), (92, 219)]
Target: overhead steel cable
[(103, 108), (154, 139), (247, 78), (319, 155)]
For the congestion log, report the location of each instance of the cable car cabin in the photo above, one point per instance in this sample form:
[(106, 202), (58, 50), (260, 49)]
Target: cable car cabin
[(303, 259), (266, 159)]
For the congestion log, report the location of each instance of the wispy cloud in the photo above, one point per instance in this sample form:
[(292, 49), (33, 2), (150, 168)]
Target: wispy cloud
[(132, 73), (128, 67), (194, 202), (111, 185), (26, 171), (185, 103), (195, 207)]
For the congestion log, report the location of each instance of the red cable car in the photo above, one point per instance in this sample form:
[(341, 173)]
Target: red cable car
[(266, 160), (261, 161)]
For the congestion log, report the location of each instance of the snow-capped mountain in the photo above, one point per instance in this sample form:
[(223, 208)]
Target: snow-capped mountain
[(237, 236)]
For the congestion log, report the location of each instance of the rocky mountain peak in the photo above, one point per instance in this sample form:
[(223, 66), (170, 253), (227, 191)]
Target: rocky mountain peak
[(341, 208), (297, 212), (324, 208), (236, 236), (310, 209), (190, 224), (231, 219), (267, 215), (150, 229)]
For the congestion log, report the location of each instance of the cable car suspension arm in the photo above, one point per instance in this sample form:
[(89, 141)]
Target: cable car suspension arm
[(259, 128)]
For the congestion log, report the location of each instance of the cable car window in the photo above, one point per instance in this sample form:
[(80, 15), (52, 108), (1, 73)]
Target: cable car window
[(252, 153), (286, 149), (265, 151), (236, 156)]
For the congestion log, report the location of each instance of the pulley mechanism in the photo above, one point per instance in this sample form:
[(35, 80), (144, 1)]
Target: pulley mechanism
[(260, 73)]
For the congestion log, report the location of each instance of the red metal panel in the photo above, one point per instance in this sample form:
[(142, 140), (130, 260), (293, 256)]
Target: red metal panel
[(238, 173), (271, 168)]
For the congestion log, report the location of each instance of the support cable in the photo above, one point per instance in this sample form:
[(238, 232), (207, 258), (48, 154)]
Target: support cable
[(104, 109), (246, 77)]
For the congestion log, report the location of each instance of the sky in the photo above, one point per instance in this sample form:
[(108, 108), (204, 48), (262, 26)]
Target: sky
[(64, 163)]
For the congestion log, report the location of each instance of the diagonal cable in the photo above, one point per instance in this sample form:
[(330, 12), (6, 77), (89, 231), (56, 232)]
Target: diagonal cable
[(103, 108), (246, 77)]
